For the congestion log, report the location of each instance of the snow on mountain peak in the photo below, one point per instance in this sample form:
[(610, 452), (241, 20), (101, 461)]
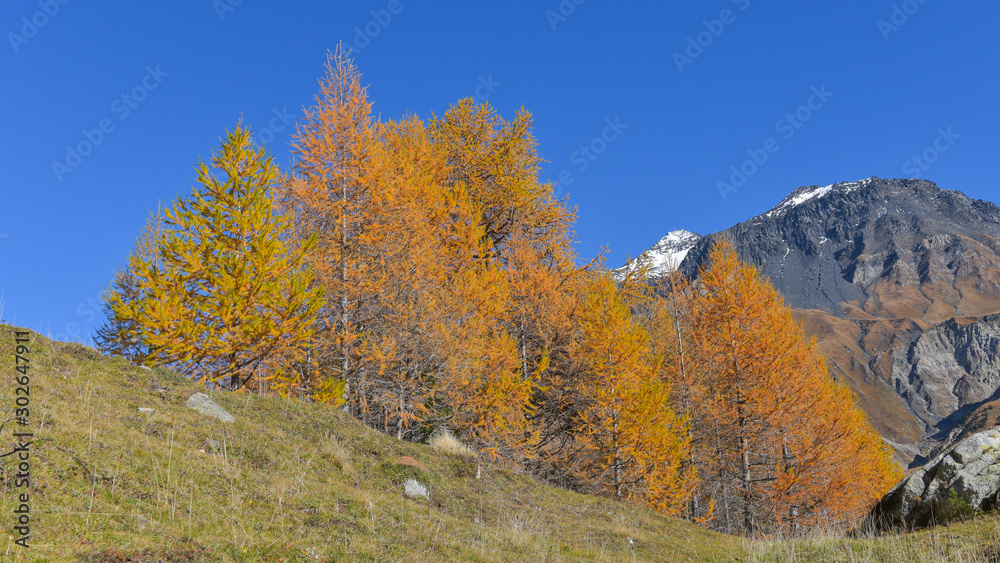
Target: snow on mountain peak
[(802, 195), (666, 255)]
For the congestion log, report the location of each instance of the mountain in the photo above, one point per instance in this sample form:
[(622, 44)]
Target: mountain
[(666, 255), (900, 282)]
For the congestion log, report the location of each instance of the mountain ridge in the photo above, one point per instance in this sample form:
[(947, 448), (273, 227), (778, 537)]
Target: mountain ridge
[(878, 269)]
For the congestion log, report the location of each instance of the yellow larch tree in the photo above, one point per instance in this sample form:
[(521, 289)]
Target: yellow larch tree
[(120, 334), (634, 443), (222, 294)]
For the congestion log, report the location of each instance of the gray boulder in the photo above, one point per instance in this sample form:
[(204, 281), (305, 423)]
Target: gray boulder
[(206, 406), (415, 490), (960, 481)]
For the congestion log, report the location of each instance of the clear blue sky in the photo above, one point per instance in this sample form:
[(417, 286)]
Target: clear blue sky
[(687, 112)]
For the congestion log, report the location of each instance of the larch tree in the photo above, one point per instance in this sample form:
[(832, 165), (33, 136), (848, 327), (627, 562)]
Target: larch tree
[(221, 294), (634, 443), (498, 163), (121, 332), (416, 296), (330, 199), (787, 436), (668, 319)]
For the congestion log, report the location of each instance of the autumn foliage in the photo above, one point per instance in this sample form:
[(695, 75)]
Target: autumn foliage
[(634, 442), (216, 289), (421, 276), (778, 443)]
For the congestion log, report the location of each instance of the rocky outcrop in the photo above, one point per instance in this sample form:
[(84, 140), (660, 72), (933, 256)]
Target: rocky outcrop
[(956, 484), (948, 370)]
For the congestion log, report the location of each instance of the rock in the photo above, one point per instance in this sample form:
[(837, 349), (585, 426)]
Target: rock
[(407, 460), (145, 368), (146, 410), (958, 482), (413, 489), (206, 406)]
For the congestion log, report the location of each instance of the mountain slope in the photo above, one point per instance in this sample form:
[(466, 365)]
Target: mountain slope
[(898, 279), (287, 481)]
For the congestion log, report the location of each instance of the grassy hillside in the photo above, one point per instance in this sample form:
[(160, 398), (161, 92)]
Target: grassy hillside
[(297, 482), (287, 481)]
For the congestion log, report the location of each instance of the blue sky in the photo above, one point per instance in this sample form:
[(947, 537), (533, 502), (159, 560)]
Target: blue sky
[(644, 109)]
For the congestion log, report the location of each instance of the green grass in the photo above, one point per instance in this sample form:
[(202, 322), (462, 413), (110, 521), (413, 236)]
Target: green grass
[(292, 481), (974, 541), (288, 481)]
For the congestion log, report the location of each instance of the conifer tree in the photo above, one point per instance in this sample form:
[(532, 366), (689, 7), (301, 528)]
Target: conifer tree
[(331, 200), (224, 296), (636, 443), (787, 438), (668, 320), (121, 334), (497, 161)]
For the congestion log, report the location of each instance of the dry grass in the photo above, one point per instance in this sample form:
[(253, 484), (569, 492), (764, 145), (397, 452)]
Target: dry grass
[(977, 541), (287, 481), (446, 442), (292, 481)]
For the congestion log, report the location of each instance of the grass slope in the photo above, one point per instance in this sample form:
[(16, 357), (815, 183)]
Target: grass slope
[(287, 481), (293, 481)]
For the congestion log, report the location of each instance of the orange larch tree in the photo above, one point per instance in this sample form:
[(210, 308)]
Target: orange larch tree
[(787, 436), (668, 319), (330, 201), (634, 444), (498, 162)]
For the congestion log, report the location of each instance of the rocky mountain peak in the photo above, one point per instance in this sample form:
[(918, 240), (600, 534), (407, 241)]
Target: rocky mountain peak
[(665, 256), (899, 280), (824, 246), (808, 193)]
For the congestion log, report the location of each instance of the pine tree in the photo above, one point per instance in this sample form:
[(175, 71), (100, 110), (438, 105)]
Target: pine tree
[(224, 297)]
